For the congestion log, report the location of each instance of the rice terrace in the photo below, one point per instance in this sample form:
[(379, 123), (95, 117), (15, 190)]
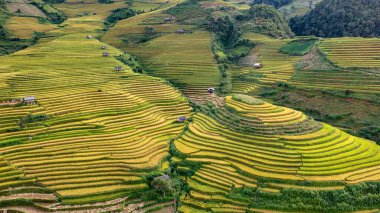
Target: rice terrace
[(189, 106)]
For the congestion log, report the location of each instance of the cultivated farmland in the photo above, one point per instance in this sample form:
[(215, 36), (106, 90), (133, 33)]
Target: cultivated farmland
[(277, 66), (353, 52), (107, 128), (230, 159), (116, 116), (23, 27), (185, 60)]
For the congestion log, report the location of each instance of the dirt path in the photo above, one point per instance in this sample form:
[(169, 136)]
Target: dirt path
[(30, 196)]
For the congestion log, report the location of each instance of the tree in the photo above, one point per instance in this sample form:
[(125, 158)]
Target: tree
[(335, 18), (274, 3), (225, 30)]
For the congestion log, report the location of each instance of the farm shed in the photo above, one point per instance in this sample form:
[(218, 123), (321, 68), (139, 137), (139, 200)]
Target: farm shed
[(181, 118), (29, 100), (118, 68), (106, 54), (180, 31), (103, 47), (89, 37), (211, 90), (257, 65)]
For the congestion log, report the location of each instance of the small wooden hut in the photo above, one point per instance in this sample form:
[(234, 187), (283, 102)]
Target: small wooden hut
[(118, 68), (180, 31), (29, 100), (181, 119), (257, 65)]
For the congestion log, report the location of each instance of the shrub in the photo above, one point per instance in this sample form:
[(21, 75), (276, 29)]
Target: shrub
[(298, 47), (120, 14)]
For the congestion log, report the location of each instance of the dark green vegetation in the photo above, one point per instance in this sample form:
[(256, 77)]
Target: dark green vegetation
[(131, 62), (264, 19), (228, 47), (351, 198), (335, 18), (120, 14), (149, 33), (298, 47), (54, 1), (226, 32), (105, 1), (274, 3), (54, 15)]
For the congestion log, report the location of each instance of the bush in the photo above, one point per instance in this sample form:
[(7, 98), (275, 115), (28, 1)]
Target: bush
[(120, 14), (298, 47), (105, 1), (371, 133), (54, 15), (274, 3)]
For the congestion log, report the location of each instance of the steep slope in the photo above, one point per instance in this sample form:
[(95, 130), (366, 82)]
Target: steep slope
[(335, 18), (224, 165), (94, 133)]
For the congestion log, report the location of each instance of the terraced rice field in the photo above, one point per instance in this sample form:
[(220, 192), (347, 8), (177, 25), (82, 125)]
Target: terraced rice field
[(23, 27), (277, 67), (75, 8), (356, 81), (103, 130), (235, 159), (125, 30), (352, 52), (94, 133), (185, 60)]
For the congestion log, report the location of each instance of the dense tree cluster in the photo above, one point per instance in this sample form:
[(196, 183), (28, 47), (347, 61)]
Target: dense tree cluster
[(274, 3), (120, 14), (225, 31), (336, 18)]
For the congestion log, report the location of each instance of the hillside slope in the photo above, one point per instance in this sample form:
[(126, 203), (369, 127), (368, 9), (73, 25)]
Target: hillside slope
[(94, 133), (265, 19), (259, 151), (335, 18)]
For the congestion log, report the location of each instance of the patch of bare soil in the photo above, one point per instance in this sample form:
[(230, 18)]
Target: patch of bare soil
[(249, 60), (24, 7), (169, 208), (315, 61), (29, 196), (204, 99), (22, 209)]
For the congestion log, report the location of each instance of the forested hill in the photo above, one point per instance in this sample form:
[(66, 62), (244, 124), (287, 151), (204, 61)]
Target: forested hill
[(265, 19), (336, 18)]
